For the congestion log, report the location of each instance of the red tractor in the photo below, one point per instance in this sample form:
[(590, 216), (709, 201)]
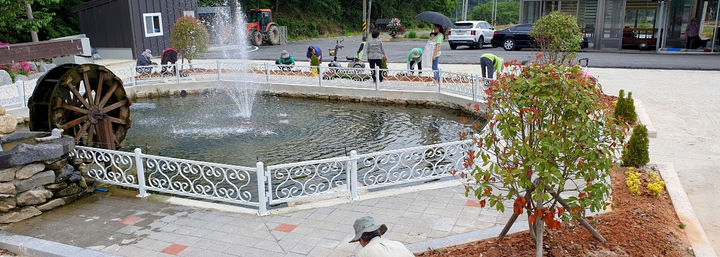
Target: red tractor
[(261, 27)]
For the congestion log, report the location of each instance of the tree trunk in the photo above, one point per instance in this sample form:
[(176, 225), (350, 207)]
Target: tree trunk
[(507, 227), (28, 11), (583, 222), (539, 224)]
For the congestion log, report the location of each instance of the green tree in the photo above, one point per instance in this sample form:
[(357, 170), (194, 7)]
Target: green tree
[(636, 152), (15, 26), (558, 36), (507, 12), (189, 37), (547, 136)]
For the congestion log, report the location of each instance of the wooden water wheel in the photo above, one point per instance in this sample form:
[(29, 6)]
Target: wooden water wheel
[(87, 101)]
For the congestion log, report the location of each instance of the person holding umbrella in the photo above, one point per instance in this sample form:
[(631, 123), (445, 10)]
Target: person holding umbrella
[(441, 23)]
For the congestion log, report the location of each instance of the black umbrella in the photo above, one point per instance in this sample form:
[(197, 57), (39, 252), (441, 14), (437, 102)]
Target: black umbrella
[(435, 18)]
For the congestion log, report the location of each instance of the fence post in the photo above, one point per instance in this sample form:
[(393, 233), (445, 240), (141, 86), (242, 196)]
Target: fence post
[(219, 70), (262, 198), (475, 87), (440, 80), (377, 77), (177, 73), (267, 73), (320, 75), (140, 167), (352, 177), (132, 75)]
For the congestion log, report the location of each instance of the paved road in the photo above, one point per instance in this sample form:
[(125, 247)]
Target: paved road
[(399, 49)]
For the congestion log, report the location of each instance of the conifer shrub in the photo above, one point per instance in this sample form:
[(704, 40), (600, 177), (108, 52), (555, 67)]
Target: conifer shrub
[(635, 153)]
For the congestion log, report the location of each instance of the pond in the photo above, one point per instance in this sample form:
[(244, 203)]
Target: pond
[(208, 128)]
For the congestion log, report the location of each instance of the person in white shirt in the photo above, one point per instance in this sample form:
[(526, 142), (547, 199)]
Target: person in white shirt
[(368, 234)]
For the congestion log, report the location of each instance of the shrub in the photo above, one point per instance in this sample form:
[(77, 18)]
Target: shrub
[(655, 185), (314, 62), (412, 34), (636, 153), (558, 36), (546, 127), (633, 181), (395, 27), (424, 36), (189, 37), (625, 108)]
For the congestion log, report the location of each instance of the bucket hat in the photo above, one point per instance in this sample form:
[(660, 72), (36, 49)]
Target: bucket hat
[(415, 53), (366, 224), (284, 54)]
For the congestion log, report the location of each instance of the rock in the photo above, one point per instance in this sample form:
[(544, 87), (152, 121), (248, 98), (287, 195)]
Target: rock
[(52, 204), (56, 186), (47, 67), (89, 181), (8, 174), (5, 78), (7, 188), (20, 77), (83, 183), (25, 153), (59, 164), (29, 170), (83, 169), (33, 197), (77, 161), (75, 177), (2, 110), (7, 204), (71, 190), (65, 173), (8, 123), (23, 214), (33, 66), (40, 179)]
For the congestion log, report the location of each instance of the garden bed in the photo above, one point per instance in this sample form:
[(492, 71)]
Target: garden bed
[(638, 226)]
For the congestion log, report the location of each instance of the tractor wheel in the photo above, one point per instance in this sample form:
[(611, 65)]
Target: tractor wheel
[(273, 35), (256, 38)]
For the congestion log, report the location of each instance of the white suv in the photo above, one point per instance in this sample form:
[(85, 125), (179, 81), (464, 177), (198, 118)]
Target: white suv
[(470, 33)]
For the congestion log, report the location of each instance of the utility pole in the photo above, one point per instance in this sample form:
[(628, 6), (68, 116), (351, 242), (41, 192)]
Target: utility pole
[(28, 10), (369, 20), (494, 11), (364, 19)]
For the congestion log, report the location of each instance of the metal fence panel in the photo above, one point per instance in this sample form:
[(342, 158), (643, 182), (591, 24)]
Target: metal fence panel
[(294, 181)]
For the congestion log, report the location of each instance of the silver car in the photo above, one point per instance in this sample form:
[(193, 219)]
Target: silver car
[(471, 33)]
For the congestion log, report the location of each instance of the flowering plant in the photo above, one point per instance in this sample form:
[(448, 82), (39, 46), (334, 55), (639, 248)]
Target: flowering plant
[(395, 27)]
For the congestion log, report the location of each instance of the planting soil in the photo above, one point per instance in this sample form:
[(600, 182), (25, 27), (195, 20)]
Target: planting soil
[(642, 225)]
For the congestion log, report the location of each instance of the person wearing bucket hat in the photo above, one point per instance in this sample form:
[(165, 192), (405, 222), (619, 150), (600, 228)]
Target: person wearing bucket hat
[(368, 234), (285, 61), (415, 57)]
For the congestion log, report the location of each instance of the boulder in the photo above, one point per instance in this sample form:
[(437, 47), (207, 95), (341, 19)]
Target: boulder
[(8, 123), (7, 188), (20, 77), (29, 170), (7, 203), (47, 67), (56, 186), (56, 165), (5, 78), (70, 190), (25, 153), (40, 179), (75, 177), (33, 197), (8, 174), (65, 173), (2, 110), (51, 204), (15, 216), (33, 66)]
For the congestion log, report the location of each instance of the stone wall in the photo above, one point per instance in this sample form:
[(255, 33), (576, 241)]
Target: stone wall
[(31, 186)]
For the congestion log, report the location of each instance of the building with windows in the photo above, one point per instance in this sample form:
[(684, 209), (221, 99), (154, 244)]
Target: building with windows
[(644, 24), (124, 28)]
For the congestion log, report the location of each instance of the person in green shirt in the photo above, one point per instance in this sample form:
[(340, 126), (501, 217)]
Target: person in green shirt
[(285, 61), (490, 64), (414, 57), (436, 54)]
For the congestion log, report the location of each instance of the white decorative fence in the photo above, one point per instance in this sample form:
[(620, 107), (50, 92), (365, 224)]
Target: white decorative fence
[(260, 186)]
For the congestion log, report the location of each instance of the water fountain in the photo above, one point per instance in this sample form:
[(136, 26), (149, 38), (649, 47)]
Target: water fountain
[(233, 36)]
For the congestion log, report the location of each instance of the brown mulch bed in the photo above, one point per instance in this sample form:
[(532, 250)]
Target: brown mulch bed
[(639, 226)]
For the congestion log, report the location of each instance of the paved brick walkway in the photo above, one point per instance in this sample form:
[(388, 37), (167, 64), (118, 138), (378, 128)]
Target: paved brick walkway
[(121, 224)]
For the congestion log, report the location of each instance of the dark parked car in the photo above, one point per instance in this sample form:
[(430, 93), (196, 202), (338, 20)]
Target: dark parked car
[(517, 37)]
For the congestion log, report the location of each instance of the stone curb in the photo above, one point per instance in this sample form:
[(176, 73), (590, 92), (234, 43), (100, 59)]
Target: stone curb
[(30, 246), (463, 238), (693, 229), (645, 118)]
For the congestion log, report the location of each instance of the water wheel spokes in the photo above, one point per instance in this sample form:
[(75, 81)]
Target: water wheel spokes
[(95, 113)]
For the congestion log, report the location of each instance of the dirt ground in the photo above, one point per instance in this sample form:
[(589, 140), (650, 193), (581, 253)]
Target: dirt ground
[(638, 226)]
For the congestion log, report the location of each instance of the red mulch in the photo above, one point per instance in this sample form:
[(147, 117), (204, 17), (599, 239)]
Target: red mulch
[(639, 226)]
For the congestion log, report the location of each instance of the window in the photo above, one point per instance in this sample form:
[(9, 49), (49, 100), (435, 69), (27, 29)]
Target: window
[(189, 13), (153, 24), (463, 25)]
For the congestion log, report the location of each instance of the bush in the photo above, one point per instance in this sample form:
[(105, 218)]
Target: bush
[(625, 108), (636, 153), (412, 34), (655, 185), (633, 181), (558, 36), (189, 37), (395, 27), (546, 128), (314, 62), (424, 36)]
